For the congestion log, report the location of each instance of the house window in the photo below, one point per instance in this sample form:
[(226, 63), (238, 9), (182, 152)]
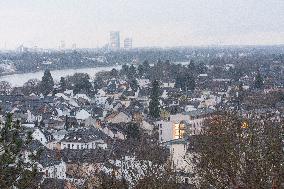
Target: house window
[(68, 145), (179, 130), (161, 125), (77, 146), (161, 132), (186, 180)]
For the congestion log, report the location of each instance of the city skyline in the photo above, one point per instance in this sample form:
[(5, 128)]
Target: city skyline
[(151, 23)]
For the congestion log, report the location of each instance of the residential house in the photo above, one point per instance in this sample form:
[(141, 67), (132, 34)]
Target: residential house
[(114, 131), (119, 117), (84, 139), (82, 115), (186, 122)]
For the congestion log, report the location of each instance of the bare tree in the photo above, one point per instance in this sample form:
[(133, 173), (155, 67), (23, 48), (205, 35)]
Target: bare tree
[(235, 152), (31, 86), (5, 87)]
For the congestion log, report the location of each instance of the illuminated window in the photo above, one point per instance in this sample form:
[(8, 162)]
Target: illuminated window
[(179, 131), (245, 125)]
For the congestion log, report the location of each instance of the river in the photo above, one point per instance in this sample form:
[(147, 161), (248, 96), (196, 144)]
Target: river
[(19, 79)]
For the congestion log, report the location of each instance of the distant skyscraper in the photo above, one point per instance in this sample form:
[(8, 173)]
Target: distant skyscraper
[(62, 45), (74, 46), (22, 49), (114, 40), (128, 43)]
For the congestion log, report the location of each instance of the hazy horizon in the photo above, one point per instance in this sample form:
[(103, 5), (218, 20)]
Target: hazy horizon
[(160, 23)]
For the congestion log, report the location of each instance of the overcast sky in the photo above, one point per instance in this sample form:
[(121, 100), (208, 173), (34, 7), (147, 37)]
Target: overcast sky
[(149, 22)]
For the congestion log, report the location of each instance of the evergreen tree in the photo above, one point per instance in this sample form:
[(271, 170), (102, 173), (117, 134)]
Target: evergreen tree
[(190, 82), (143, 69), (134, 85), (201, 68), (185, 82), (191, 66), (133, 131), (146, 68), (154, 105), (140, 71), (131, 72), (13, 171), (114, 73), (82, 83), (98, 83), (179, 82), (124, 70), (47, 83), (62, 84), (236, 73), (258, 82)]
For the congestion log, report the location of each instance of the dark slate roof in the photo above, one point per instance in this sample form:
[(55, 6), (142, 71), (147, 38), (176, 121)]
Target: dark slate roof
[(97, 155), (49, 158), (110, 100), (49, 183), (144, 92), (128, 93), (135, 106), (115, 127), (116, 103), (34, 145), (11, 98), (200, 112), (176, 141), (84, 135), (97, 109)]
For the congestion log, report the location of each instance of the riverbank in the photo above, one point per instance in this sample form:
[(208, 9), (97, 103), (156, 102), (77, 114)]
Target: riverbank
[(18, 79), (52, 69)]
